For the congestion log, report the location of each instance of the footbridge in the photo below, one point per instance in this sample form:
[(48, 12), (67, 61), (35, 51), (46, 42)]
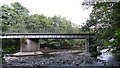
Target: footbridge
[(29, 42)]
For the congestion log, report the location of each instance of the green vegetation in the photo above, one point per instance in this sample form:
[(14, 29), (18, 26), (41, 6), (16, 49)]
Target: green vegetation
[(10, 46), (104, 21), (16, 19)]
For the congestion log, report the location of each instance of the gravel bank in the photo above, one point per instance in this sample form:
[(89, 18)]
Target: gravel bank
[(56, 59)]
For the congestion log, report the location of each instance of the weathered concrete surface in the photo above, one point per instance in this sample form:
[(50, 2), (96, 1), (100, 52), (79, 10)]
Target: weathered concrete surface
[(85, 53), (28, 47), (27, 53), (87, 43)]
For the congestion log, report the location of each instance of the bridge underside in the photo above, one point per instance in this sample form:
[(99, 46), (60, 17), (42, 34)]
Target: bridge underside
[(32, 47)]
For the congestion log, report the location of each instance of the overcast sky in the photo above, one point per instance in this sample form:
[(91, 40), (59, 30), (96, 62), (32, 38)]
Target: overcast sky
[(71, 9)]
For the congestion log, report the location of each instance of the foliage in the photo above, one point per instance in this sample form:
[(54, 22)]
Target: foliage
[(104, 21), (16, 19), (10, 46)]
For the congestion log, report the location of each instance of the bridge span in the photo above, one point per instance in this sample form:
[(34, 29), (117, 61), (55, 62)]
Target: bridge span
[(29, 42)]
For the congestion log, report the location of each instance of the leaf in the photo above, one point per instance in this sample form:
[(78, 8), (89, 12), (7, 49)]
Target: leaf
[(106, 43)]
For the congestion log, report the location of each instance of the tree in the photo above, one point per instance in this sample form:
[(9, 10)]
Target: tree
[(13, 18), (104, 21)]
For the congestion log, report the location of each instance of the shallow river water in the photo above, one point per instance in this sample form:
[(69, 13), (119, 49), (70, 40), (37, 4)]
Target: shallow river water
[(109, 58)]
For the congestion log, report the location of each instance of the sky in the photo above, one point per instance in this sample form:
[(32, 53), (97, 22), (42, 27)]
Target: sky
[(71, 9)]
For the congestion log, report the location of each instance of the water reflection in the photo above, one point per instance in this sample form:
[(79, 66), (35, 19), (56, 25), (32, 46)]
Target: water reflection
[(108, 57)]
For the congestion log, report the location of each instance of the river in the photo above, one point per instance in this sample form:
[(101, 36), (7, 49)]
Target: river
[(109, 58)]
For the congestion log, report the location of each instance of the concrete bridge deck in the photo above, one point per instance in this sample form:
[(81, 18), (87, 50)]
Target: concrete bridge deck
[(48, 36)]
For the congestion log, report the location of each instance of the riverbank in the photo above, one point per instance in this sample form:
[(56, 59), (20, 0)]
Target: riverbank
[(57, 58)]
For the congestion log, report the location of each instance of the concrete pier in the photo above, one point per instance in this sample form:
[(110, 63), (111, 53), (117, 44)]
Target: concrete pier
[(87, 43), (29, 47)]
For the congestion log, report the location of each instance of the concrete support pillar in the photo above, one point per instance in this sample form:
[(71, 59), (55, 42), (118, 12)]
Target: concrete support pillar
[(90, 48), (29, 47), (87, 43)]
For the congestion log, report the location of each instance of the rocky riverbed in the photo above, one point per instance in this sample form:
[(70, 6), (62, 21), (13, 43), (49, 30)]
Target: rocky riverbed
[(62, 58)]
